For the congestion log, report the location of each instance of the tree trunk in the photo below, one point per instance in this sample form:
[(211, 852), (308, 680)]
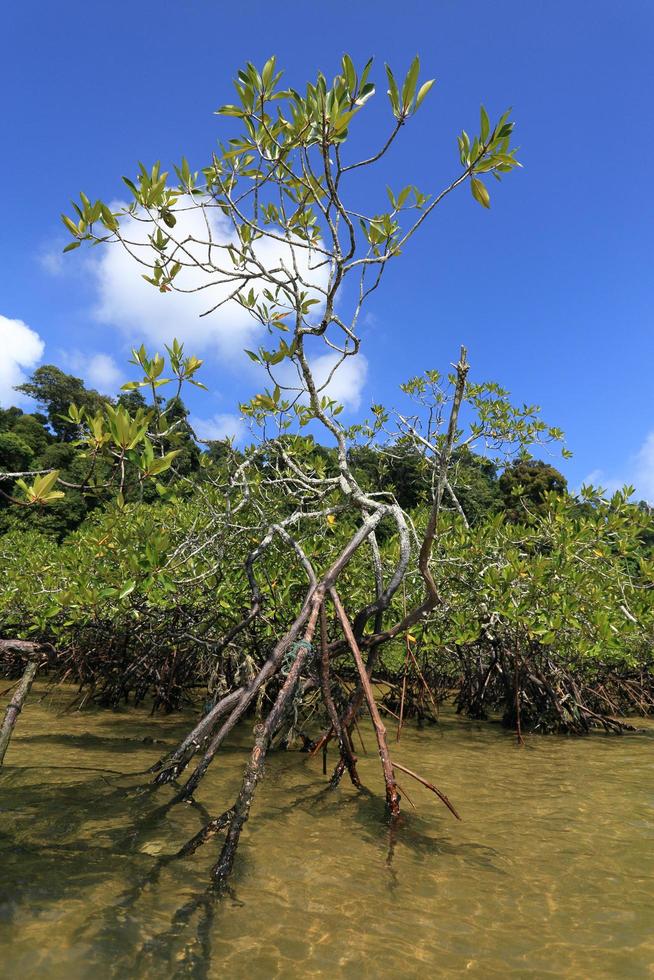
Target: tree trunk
[(15, 706)]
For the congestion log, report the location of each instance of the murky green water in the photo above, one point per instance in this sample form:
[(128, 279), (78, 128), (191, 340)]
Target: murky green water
[(550, 874)]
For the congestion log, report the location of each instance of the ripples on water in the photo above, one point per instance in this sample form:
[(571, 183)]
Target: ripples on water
[(550, 874)]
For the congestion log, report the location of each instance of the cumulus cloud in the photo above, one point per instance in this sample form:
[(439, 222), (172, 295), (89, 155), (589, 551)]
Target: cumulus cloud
[(125, 301), (51, 261), (98, 370), (103, 373), (638, 472), (346, 385), (644, 469), (220, 426), (138, 309), (598, 478), (21, 348)]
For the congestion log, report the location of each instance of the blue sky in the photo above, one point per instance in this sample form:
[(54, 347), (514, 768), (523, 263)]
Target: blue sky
[(552, 290)]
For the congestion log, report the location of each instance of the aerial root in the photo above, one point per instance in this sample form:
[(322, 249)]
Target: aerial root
[(392, 794), (169, 767), (430, 786), (234, 706), (233, 819), (536, 694)]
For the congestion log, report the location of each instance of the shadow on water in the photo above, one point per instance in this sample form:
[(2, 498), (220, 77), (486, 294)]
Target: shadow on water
[(90, 885), (186, 940), (97, 829), (88, 742), (82, 834)]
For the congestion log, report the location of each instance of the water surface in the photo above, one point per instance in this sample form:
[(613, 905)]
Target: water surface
[(549, 874)]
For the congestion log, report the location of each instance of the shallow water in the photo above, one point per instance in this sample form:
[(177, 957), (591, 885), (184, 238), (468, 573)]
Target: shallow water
[(549, 874)]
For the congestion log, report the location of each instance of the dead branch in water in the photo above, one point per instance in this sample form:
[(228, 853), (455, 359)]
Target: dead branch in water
[(34, 652)]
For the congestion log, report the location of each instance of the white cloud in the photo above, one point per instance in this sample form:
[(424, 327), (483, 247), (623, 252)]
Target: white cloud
[(103, 373), (638, 472), (21, 348), (127, 302), (220, 426), (346, 386), (98, 370), (598, 478), (644, 469), (51, 261), (139, 310)]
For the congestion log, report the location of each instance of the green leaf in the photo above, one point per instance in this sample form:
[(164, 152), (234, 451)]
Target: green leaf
[(422, 92), (365, 92), (402, 196), (480, 192), (393, 92), (72, 227), (230, 110), (410, 82), (108, 218), (43, 484), (267, 71), (485, 125), (349, 74), (365, 73), (163, 463), (344, 120)]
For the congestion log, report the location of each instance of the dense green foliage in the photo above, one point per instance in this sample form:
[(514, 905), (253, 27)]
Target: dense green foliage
[(138, 594), (36, 442)]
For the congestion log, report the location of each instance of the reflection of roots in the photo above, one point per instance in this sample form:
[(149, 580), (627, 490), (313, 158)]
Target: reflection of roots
[(194, 958)]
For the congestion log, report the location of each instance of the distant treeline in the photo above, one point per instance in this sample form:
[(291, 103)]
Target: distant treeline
[(46, 439)]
